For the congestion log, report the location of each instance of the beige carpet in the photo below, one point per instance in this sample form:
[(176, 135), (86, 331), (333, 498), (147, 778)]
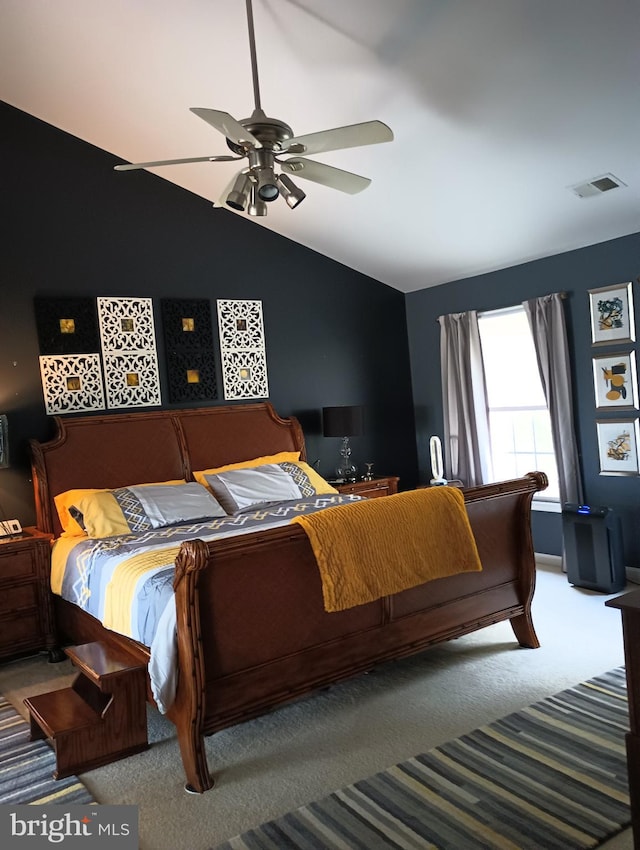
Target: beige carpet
[(300, 753)]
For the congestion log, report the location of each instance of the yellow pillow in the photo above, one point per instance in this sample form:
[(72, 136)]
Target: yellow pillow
[(322, 487), (72, 498), (101, 515), (63, 501), (281, 457)]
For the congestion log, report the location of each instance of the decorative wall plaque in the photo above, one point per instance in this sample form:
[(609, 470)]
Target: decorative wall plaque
[(188, 337), (67, 325), (72, 383), (244, 359), (132, 379), (127, 335)]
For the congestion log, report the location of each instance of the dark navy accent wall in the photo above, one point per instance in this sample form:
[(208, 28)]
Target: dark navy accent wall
[(575, 272), (73, 226)]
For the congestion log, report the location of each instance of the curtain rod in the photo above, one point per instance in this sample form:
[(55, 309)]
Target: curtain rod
[(562, 295)]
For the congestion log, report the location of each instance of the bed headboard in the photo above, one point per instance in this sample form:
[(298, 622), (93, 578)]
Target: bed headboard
[(133, 448)]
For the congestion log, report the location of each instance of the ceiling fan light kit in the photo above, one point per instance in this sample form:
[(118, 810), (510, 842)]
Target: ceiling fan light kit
[(256, 206), (239, 194), (289, 191), (262, 141)]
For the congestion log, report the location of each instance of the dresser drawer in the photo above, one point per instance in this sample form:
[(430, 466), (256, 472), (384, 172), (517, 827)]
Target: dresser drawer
[(18, 598), (20, 564), (19, 631), (372, 489)]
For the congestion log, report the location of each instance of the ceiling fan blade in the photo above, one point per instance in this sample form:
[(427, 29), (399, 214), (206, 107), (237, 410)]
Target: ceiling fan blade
[(133, 165), (227, 125), (327, 175), (351, 136)]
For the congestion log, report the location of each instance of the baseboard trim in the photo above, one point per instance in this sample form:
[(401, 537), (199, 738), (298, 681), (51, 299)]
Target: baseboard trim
[(549, 560), (633, 574)]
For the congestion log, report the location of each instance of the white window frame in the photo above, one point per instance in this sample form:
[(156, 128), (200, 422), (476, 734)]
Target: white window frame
[(541, 501)]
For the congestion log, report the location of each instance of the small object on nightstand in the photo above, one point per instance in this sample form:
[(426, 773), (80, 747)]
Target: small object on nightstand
[(10, 528), (368, 476), (344, 422)]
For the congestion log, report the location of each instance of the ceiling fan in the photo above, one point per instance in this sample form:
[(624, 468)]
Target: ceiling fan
[(263, 141)]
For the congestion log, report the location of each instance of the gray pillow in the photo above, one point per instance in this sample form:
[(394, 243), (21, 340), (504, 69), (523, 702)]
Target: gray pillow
[(168, 505), (250, 487)]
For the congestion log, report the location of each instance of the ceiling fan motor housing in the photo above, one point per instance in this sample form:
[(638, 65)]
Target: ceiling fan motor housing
[(270, 132)]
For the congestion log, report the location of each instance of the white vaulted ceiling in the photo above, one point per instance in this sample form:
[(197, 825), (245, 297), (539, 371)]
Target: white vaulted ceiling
[(497, 106)]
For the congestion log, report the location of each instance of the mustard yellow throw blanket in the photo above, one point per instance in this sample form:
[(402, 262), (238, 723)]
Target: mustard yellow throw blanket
[(377, 547)]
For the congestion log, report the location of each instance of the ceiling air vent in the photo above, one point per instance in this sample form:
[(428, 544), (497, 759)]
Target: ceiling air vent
[(597, 186)]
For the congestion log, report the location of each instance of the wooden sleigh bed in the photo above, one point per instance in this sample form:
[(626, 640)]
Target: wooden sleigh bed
[(252, 631)]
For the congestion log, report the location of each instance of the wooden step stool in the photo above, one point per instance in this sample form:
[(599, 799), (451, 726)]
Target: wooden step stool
[(101, 717)]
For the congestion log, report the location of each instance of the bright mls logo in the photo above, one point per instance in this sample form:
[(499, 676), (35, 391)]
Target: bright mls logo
[(36, 827)]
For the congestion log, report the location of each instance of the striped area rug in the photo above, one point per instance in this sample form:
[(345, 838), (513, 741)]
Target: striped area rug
[(26, 767), (550, 777)]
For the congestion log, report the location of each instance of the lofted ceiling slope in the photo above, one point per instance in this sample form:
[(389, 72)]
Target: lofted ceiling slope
[(498, 107)]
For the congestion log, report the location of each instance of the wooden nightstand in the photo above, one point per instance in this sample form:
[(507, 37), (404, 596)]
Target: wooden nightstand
[(26, 612), (383, 486)]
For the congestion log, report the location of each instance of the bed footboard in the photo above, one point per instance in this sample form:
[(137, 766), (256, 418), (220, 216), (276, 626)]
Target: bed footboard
[(253, 633)]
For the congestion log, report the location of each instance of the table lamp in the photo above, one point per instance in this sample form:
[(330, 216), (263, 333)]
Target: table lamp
[(344, 422)]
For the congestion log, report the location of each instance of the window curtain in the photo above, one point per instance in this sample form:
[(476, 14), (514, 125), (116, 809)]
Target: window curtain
[(546, 319), (467, 448)]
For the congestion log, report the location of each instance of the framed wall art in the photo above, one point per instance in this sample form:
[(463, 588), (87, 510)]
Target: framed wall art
[(618, 441), (244, 359), (190, 356), (130, 361), (612, 318), (615, 381), (72, 383), (67, 325)]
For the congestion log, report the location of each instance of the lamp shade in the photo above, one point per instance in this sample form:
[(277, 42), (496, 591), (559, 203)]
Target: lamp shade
[(346, 421)]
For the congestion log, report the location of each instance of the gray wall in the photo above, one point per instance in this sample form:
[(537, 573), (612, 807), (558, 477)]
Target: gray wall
[(575, 272), (73, 226)]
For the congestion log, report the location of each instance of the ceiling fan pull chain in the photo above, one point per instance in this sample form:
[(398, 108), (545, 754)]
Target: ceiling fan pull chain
[(254, 59)]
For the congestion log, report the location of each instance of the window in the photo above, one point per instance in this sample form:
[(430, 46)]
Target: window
[(518, 415)]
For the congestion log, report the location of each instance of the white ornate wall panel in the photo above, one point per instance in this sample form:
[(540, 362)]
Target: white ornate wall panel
[(130, 360), (132, 379), (72, 383), (242, 346)]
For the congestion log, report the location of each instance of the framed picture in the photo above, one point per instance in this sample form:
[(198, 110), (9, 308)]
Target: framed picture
[(612, 314), (615, 381), (618, 441)]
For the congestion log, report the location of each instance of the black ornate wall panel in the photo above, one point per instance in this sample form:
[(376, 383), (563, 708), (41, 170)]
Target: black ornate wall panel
[(188, 338), (67, 325)]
